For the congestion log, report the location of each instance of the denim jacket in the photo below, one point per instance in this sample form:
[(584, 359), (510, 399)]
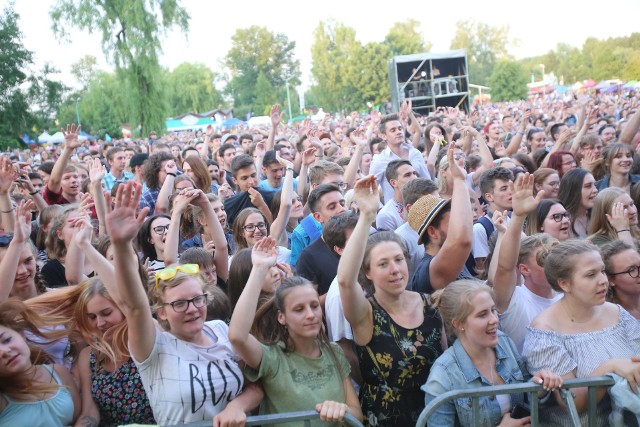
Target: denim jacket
[(454, 370)]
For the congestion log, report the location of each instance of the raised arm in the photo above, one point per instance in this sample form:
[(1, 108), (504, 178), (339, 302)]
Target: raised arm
[(563, 138), (448, 262), (96, 173), (123, 224), (276, 118), (162, 203), (71, 142), (485, 153), (11, 258), (432, 159), (30, 191), (8, 174), (214, 233), (514, 145), (357, 309), (630, 130), (359, 138), (279, 225), (74, 260), (263, 257), (505, 278), (180, 204)]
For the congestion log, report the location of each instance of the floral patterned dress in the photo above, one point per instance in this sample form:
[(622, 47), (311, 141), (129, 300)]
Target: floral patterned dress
[(119, 395), (394, 364)]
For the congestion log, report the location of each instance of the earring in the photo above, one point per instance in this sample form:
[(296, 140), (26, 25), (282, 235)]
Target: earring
[(462, 329)]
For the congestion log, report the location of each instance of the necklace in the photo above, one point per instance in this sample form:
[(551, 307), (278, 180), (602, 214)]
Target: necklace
[(571, 317)]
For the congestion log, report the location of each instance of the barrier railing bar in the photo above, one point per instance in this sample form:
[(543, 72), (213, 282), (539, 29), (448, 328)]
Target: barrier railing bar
[(567, 397), (528, 387), (305, 416)]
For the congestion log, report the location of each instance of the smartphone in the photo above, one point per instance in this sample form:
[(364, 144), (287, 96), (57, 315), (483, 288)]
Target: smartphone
[(520, 411)]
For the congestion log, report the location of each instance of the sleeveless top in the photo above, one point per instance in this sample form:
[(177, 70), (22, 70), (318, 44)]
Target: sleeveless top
[(119, 395), (52, 412), (395, 364)]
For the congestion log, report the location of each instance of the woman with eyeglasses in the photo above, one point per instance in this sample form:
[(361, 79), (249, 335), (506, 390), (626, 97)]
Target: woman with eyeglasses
[(249, 227), (549, 217), (319, 371), (546, 179), (614, 216), (190, 370), (562, 162), (622, 264), (151, 241)]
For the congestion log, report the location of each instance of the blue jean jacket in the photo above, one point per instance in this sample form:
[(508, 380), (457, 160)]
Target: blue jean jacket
[(454, 370)]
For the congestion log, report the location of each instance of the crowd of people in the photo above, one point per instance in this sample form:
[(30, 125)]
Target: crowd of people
[(362, 264)]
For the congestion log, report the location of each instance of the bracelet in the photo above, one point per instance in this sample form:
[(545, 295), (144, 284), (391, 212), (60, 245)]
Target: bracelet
[(33, 193), (172, 174), (289, 168), (10, 210), (520, 133), (623, 230)]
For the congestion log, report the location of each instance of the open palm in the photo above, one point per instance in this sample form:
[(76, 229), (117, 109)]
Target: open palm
[(123, 221)]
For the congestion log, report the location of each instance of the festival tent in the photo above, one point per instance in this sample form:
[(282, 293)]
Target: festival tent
[(604, 84), (630, 85), (57, 138), (233, 121), (44, 137), (611, 89), (588, 84), (84, 135)]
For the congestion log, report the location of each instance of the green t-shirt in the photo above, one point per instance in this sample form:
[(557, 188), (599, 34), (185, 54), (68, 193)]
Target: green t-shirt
[(293, 382)]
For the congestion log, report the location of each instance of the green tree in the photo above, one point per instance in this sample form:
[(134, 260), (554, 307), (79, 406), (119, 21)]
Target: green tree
[(83, 70), (131, 38), (508, 81), (265, 96), (190, 88), (404, 38), (257, 50), (370, 79), (334, 55), (14, 59), (485, 46), (45, 95)]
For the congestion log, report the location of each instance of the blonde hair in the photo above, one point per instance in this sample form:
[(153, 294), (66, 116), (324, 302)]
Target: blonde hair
[(454, 302), (602, 205), (442, 181), (56, 248)]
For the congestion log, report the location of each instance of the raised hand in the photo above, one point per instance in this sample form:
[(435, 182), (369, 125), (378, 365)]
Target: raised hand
[(82, 230), (171, 167), (565, 136), (184, 199), (375, 117), (276, 115), (97, 170), (86, 203), (359, 137), (71, 136), (619, 217), (366, 195), (456, 171), (22, 224), (261, 149), (8, 174), (499, 220), (283, 162), (264, 252), (200, 199), (225, 191), (452, 113), (123, 221), (309, 156), (522, 199)]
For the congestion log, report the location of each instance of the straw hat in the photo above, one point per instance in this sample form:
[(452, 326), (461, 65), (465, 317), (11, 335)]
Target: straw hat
[(424, 211)]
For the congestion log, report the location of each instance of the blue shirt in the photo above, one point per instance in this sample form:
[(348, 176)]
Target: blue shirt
[(300, 240), (109, 180), (264, 185), (604, 182), (454, 370)]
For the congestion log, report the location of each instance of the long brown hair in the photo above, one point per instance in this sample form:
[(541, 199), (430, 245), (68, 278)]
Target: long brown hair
[(15, 315)]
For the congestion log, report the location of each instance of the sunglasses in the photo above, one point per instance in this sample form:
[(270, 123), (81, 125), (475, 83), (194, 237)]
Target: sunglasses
[(171, 272)]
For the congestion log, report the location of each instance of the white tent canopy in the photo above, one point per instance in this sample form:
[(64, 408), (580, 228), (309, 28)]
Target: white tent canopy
[(57, 138), (44, 137)]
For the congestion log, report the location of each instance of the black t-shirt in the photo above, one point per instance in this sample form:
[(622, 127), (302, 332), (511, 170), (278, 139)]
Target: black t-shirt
[(53, 273), (318, 264), (236, 203)]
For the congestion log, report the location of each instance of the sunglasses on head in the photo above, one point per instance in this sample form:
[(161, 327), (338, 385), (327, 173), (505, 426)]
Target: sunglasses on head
[(171, 272)]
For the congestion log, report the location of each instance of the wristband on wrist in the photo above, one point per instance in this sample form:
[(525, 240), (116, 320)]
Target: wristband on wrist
[(33, 193), (10, 210), (520, 133), (289, 168), (623, 230), (171, 174)]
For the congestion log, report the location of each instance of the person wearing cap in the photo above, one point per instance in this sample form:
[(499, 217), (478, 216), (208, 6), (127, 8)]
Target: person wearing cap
[(446, 248), (392, 132)]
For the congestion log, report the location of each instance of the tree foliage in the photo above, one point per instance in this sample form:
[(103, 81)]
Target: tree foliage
[(131, 38), (485, 46), (508, 81), (404, 38), (190, 88), (255, 51)]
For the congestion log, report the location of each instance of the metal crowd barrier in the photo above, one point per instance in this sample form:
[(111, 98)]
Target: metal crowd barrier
[(263, 420), (532, 390)]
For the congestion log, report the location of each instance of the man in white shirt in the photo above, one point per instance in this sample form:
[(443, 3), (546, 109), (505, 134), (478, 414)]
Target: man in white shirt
[(392, 132), (398, 173)]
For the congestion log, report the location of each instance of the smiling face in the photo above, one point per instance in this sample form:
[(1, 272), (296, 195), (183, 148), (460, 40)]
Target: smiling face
[(557, 222), (589, 191), (388, 268), (103, 314), (302, 312), (551, 186), (480, 328), (257, 222), (186, 325), (621, 163), (14, 353)]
